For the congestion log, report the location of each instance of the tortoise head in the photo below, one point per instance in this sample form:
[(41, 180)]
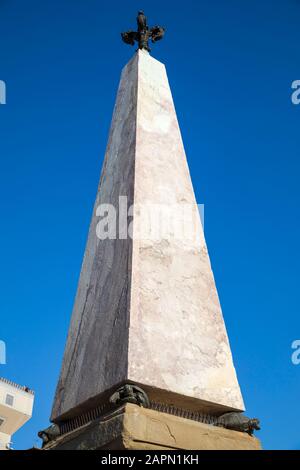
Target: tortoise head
[(254, 424), (127, 389)]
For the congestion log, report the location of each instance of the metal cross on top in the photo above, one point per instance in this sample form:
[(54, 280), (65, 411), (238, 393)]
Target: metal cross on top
[(143, 34)]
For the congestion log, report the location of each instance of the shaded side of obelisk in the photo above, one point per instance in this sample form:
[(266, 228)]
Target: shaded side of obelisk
[(147, 310), (96, 353)]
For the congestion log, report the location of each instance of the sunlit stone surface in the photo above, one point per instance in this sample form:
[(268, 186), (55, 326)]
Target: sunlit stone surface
[(146, 310)]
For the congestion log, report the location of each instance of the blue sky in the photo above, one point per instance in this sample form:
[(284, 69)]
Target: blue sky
[(230, 65)]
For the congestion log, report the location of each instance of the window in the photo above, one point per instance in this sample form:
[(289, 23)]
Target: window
[(9, 400)]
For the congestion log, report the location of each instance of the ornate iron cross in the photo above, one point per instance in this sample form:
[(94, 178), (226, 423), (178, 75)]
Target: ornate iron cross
[(143, 34)]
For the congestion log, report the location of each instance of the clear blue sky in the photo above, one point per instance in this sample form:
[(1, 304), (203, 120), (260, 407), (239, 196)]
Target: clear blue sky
[(231, 65)]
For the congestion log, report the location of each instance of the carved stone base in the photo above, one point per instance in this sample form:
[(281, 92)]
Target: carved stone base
[(136, 428)]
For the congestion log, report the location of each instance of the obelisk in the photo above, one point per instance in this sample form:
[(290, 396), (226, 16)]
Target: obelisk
[(146, 314)]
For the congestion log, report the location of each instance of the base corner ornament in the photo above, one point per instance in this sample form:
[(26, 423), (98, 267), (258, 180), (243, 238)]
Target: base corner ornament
[(238, 422), (129, 393), (49, 434)]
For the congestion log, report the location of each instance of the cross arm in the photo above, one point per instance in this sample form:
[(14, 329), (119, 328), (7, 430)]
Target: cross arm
[(157, 33), (130, 37)]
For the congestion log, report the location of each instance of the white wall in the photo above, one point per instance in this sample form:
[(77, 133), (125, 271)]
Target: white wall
[(15, 415)]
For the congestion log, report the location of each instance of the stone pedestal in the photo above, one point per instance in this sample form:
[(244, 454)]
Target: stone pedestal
[(136, 428)]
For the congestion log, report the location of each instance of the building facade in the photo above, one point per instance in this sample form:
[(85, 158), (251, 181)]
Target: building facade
[(16, 405)]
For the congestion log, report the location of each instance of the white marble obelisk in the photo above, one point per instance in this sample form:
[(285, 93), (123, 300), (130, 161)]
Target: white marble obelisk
[(147, 310)]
